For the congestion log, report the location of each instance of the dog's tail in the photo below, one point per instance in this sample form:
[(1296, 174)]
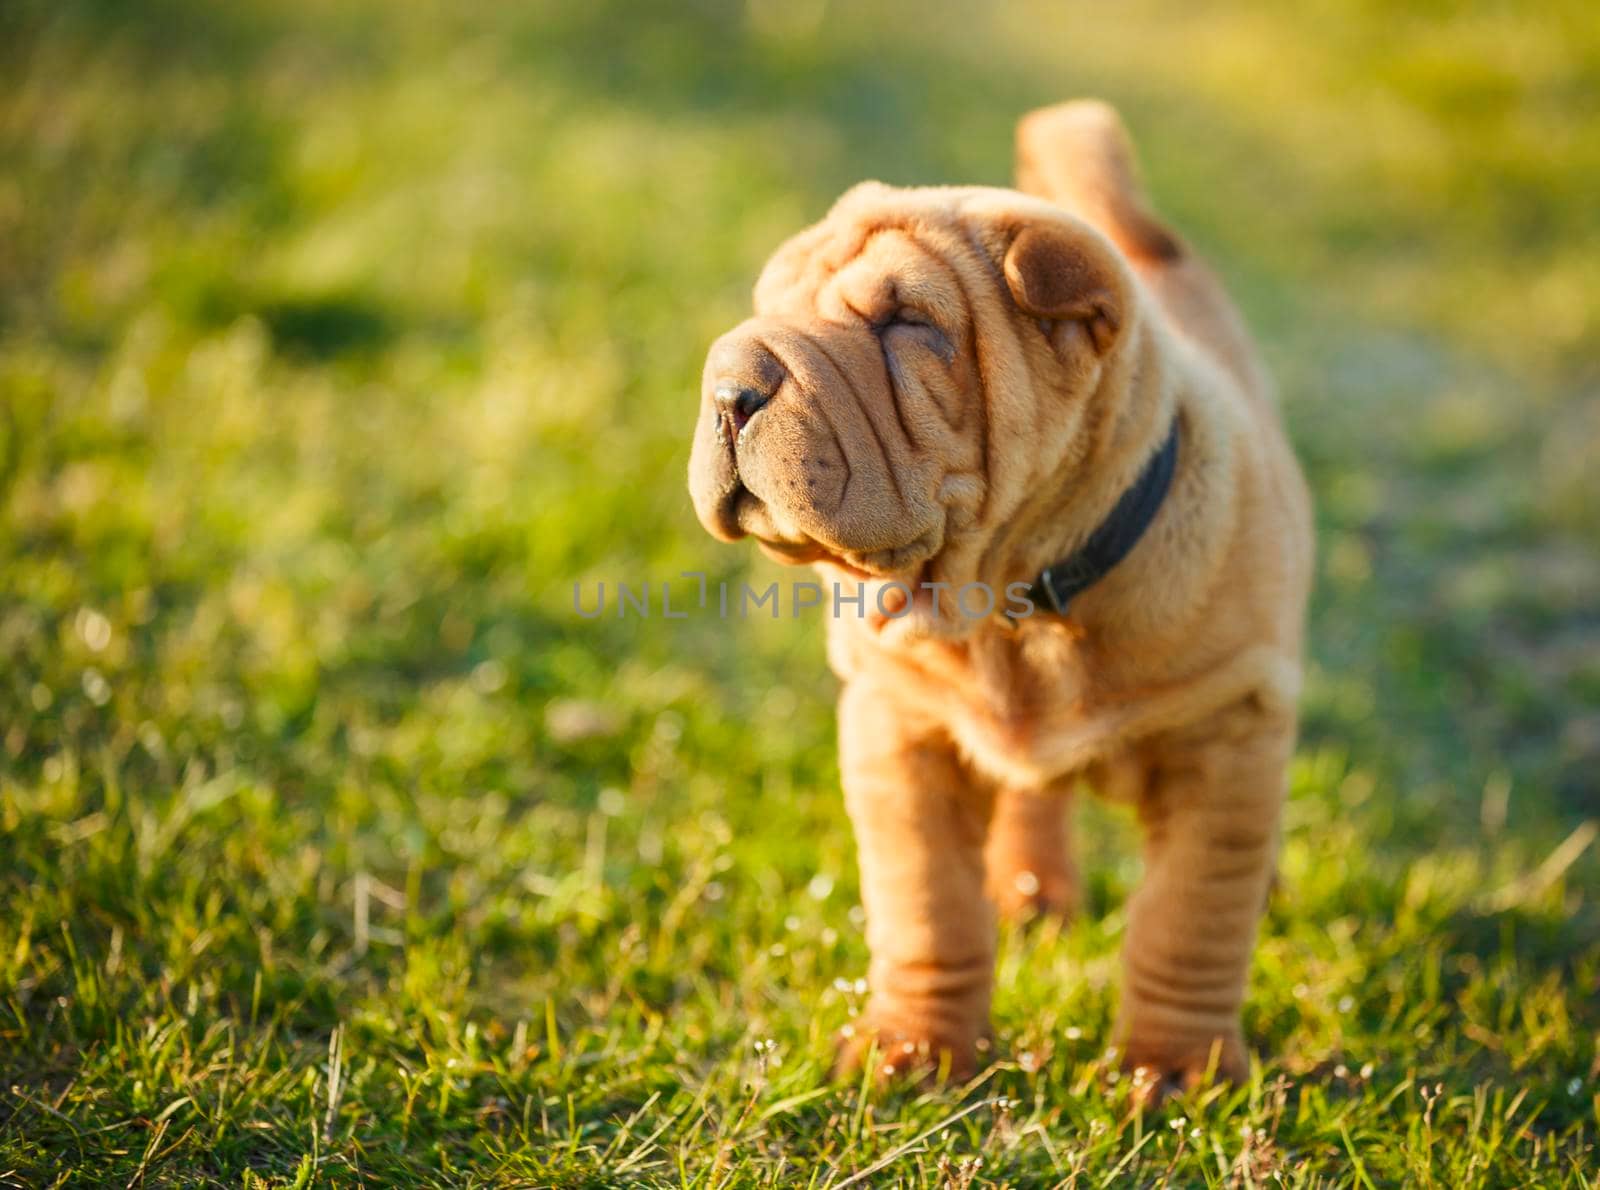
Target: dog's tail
[(1078, 156)]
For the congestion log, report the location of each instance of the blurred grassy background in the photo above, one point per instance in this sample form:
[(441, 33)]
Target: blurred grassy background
[(338, 342)]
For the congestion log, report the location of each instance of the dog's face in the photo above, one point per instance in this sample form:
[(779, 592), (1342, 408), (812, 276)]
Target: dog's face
[(918, 363)]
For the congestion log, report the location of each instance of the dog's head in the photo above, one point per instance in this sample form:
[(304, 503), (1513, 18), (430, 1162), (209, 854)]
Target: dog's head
[(918, 364)]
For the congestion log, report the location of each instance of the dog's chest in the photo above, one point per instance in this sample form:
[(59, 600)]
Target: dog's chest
[(1022, 709), (1024, 683)]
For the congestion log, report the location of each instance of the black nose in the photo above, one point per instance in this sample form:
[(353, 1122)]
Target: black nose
[(738, 402)]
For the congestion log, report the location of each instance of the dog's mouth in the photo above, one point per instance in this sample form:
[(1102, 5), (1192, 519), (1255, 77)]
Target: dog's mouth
[(908, 563), (898, 582), (804, 553), (742, 513)]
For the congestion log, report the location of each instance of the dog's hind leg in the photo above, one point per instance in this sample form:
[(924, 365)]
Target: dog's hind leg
[(1029, 864)]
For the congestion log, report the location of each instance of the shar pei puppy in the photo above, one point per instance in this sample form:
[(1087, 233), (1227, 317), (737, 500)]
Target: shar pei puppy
[(1026, 435)]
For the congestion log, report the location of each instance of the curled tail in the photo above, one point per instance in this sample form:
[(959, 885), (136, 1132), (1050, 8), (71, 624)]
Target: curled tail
[(1078, 156)]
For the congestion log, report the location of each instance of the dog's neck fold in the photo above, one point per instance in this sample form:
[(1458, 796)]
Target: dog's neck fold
[(1115, 537), (1127, 417)]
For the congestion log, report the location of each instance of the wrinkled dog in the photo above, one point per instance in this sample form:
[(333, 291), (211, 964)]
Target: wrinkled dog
[(1042, 400)]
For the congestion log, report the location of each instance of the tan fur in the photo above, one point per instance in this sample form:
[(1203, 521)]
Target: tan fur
[(1072, 327)]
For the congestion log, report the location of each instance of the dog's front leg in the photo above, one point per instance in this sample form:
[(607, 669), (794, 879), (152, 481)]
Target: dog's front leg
[(1210, 814), (920, 819)]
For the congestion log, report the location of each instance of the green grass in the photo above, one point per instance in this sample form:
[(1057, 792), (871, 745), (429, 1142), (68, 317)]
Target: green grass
[(338, 341)]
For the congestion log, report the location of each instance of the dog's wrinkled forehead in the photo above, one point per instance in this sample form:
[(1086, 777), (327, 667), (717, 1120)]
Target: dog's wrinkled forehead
[(880, 250)]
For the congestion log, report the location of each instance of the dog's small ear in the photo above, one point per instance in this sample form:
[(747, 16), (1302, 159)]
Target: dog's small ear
[(1060, 277)]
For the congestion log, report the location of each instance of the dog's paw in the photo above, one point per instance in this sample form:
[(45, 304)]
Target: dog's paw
[(1160, 1070), (906, 1052)]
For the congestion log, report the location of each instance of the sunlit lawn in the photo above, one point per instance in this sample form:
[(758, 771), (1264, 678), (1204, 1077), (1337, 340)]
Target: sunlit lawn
[(337, 342)]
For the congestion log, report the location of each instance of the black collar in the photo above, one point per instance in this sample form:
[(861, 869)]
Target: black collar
[(1060, 582)]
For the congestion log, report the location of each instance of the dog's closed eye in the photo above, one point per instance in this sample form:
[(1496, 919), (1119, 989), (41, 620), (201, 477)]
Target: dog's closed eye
[(916, 328), (900, 316)]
